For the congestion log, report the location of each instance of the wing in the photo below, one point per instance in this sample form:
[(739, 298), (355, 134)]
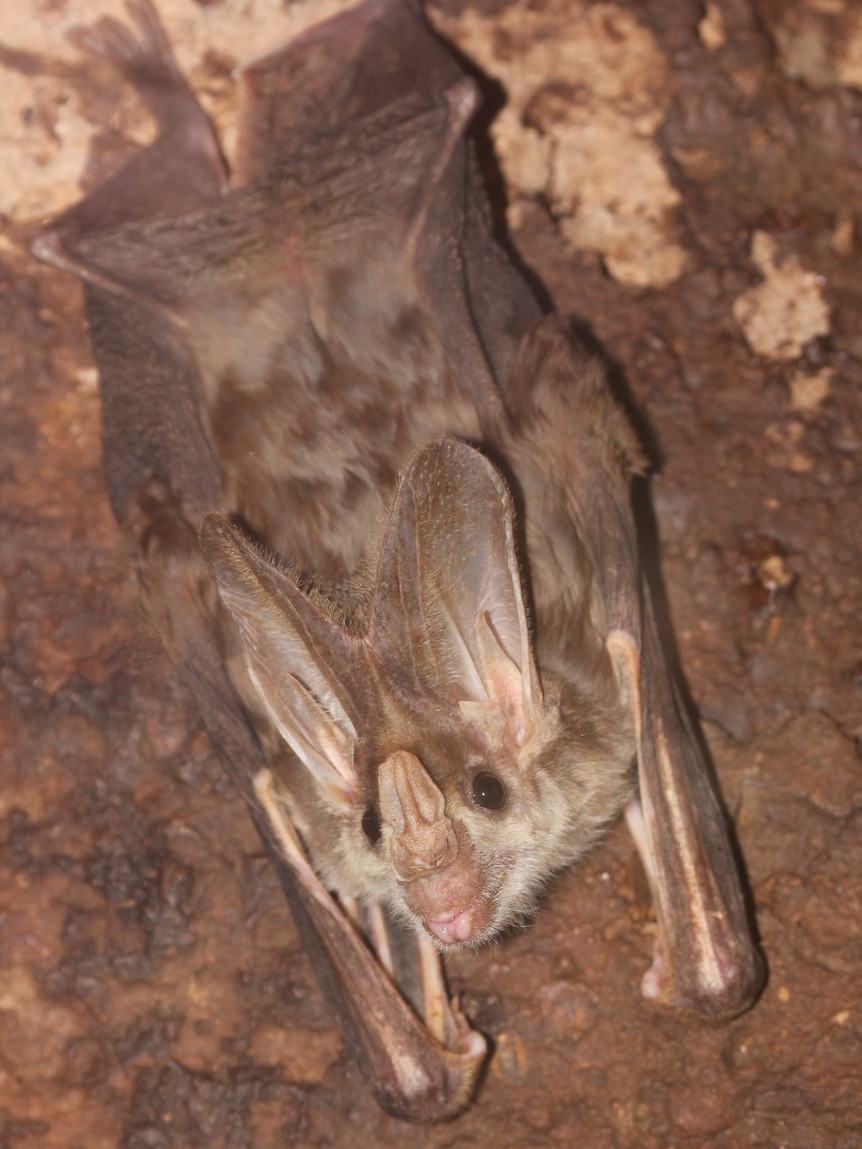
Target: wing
[(573, 438)]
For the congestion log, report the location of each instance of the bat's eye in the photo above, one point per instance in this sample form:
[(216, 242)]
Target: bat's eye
[(488, 791), (371, 824)]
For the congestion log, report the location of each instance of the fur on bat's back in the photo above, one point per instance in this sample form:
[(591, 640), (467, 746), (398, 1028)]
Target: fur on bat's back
[(313, 433)]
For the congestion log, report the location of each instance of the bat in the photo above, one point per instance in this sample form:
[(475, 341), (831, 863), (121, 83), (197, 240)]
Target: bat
[(381, 511)]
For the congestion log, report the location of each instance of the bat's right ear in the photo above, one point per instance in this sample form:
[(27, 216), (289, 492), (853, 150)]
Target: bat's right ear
[(449, 617), (290, 651)]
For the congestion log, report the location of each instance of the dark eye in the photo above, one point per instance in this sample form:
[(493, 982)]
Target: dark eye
[(488, 791), (371, 825)]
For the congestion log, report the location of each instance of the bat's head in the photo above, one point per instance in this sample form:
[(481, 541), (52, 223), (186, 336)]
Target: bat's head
[(481, 811), (433, 770)]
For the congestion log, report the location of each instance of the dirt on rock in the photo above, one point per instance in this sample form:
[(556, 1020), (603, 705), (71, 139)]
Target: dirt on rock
[(153, 990)]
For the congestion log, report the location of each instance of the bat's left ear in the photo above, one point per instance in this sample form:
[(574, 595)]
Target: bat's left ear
[(449, 609), (297, 659)]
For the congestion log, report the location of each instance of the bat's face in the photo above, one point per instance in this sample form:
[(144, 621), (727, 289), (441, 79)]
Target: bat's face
[(473, 821), (460, 838), (454, 849)]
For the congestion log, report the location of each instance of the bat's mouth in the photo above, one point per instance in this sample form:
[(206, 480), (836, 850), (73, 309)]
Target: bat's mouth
[(453, 928)]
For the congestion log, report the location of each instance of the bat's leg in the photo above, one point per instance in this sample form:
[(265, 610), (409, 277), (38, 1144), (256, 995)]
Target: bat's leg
[(654, 980), (144, 57), (380, 938), (439, 1017), (413, 963), (180, 173)]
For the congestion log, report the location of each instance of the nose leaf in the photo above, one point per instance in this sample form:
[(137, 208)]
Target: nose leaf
[(413, 807)]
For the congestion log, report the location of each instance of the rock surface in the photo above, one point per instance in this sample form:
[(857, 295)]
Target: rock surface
[(153, 992)]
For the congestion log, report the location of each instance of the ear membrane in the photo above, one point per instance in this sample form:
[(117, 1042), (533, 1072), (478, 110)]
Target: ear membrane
[(449, 609), (290, 650)]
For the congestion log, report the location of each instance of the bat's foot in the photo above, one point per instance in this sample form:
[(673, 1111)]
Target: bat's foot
[(654, 981), (141, 53)]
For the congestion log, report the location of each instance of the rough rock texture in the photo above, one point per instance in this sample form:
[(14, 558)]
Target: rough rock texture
[(685, 179)]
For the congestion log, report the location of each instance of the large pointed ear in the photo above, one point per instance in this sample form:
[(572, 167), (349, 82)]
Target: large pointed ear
[(449, 615), (297, 658)]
